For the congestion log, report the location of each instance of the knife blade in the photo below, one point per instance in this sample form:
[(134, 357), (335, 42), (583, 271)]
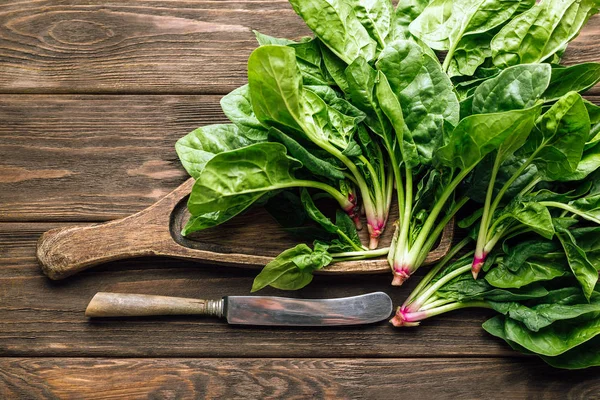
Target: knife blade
[(249, 310)]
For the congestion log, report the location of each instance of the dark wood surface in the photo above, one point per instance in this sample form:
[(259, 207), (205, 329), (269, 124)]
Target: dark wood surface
[(93, 97)]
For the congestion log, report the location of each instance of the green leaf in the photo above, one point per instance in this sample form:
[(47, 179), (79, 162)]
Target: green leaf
[(406, 12), (314, 164), (541, 31), (559, 138), (237, 106), (584, 271), (335, 67), (392, 109), (241, 177), (531, 214), (470, 53), (590, 162), (292, 269), (514, 88), (335, 22), (554, 339), (347, 226), (542, 315), (576, 78), (315, 214), (477, 135), (529, 272), (200, 222), (424, 91), (593, 112), (583, 356), (443, 23), (263, 39), (518, 254), (199, 146), (276, 86), (465, 288), (376, 16)]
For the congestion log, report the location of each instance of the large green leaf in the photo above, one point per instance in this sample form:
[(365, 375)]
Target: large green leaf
[(443, 23), (529, 272), (424, 91), (584, 271), (477, 135), (514, 88), (576, 78), (199, 146), (241, 176), (392, 109), (275, 86), (542, 315), (292, 269), (237, 106), (377, 18), (335, 22), (554, 339), (310, 161), (559, 138), (541, 31)]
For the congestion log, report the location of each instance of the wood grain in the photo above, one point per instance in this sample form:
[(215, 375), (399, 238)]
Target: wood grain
[(94, 158), (142, 46), (41, 317), (292, 379)]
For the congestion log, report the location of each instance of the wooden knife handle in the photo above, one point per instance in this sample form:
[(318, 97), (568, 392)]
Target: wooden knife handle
[(105, 304)]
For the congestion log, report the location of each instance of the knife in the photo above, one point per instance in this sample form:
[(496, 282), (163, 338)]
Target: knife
[(249, 310)]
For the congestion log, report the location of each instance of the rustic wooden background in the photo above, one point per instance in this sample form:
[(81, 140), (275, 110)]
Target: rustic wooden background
[(93, 95)]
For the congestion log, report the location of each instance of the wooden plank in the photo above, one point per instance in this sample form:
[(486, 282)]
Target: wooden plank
[(41, 317), (94, 158), (292, 379), (143, 46)]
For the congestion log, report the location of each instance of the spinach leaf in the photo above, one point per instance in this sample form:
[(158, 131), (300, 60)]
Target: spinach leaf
[(554, 339), (276, 86), (479, 134), (518, 254), (424, 91), (406, 12), (335, 22), (376, 16), (316, 165), (542, 315), (242, 176), (529, 272), (465, 288), (583, 356), (392, 109), (443, 23), (584, 271), (199, 146), (470, 53), (541, 31), (514, 88), (292, 269), (532, 214), (576, 78), (557, 143)]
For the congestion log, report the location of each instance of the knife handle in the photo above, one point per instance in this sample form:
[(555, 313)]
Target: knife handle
[(105, 304)]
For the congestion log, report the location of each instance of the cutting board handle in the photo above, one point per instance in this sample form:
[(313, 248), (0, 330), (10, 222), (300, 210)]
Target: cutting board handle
[(65, 251)]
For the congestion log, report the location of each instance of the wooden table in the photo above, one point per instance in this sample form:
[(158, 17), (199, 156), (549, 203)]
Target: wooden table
[(94, 96)]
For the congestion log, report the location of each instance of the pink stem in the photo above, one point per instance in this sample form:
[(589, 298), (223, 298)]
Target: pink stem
[(478, 262)]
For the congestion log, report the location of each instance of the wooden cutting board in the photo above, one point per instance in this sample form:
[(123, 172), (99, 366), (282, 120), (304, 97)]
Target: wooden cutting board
[(248, 240)]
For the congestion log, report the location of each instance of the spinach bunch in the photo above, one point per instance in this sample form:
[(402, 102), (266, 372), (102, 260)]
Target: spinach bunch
[(365, 111)]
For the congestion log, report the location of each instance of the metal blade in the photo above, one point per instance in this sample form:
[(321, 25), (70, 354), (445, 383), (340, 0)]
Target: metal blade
[(263, 310)]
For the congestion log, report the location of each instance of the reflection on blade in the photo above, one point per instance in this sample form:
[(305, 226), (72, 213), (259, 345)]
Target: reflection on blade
[(262, 310)]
